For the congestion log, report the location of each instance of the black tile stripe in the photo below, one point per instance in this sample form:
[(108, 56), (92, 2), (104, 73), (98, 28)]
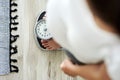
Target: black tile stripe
[(13, 38)]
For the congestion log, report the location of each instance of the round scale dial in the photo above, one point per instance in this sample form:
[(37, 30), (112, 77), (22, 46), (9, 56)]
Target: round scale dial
[(42, 31)]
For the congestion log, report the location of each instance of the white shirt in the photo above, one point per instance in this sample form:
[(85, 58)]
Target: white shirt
[(64, 20)]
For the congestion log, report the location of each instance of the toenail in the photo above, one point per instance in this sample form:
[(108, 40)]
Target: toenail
[(41, 40)]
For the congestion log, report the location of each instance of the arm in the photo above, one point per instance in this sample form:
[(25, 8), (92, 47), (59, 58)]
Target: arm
[(89, 72)]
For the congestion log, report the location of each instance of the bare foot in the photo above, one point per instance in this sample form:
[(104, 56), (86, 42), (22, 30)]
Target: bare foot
[(50, 44)]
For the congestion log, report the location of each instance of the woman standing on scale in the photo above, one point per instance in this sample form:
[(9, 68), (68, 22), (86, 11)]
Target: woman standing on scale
[(90, 29)]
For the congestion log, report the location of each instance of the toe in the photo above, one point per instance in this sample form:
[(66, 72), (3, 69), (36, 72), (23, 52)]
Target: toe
[(49, 48), (44, 41), (45, 44)]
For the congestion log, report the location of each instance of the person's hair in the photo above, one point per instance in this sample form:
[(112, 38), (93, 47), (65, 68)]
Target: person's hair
[(108, 11)]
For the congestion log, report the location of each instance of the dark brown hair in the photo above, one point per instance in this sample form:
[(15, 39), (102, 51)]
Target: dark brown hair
[(108, 11)]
